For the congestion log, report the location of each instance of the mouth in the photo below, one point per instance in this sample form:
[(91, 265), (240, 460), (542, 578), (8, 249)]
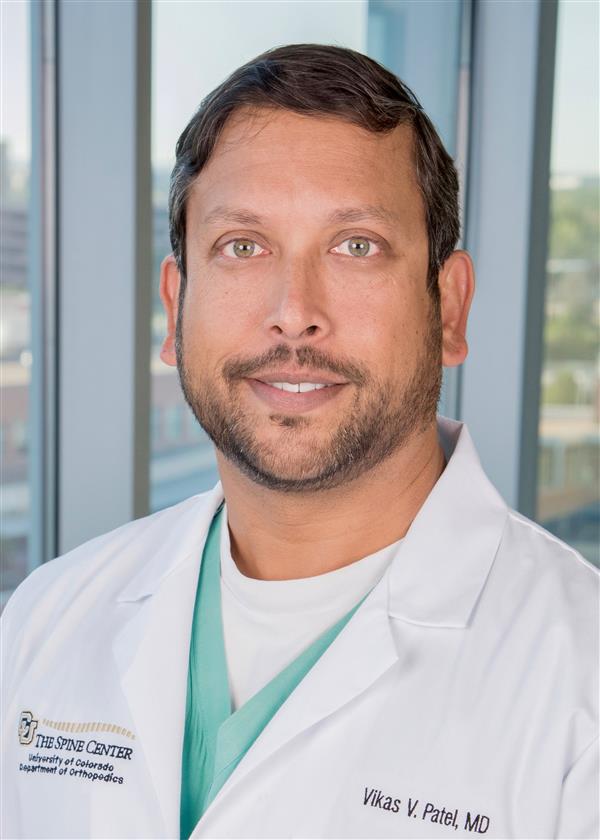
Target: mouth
[(290, 377), (293, 392)]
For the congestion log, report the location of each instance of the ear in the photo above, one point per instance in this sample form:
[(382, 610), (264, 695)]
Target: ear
[(170, 280), (457, 286)]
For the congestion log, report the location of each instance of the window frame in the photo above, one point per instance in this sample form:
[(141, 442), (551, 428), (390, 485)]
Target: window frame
[(508, 191)]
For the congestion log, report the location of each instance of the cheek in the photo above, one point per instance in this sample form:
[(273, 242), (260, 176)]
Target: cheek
[(383, 324), (399, 343), (216, 321)]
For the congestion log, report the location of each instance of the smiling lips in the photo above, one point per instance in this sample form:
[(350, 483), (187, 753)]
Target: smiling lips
[(295, 392), (300, 388)]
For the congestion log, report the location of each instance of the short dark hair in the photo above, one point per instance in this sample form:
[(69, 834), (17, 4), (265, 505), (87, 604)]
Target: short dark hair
[(321, 80)]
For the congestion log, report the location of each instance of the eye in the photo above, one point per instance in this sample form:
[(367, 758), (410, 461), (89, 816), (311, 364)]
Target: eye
[(357, 246), (242, 248)]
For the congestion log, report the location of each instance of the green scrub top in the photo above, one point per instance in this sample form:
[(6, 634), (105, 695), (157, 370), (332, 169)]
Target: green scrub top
[(215, 740)]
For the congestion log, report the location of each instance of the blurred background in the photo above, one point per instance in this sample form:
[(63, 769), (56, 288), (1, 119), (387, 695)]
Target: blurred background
[(94, 430)]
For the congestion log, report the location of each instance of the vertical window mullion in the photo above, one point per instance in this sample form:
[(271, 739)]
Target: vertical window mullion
[(43, 285), (104, 252)]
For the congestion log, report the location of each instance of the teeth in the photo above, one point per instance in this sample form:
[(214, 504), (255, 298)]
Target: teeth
[(300, 388)]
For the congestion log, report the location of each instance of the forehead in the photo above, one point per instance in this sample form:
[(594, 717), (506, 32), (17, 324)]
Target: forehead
[(327, 158)]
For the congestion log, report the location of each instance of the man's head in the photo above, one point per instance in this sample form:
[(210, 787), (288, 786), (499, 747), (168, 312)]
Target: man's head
[(313, 220), (318, 80)]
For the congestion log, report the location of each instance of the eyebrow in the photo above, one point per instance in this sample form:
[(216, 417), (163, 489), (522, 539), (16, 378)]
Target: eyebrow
[(232, 214), (344, 214), (367, 211)]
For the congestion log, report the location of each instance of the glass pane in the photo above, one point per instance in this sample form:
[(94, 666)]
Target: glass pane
[(569, 451), (420, 42), (15, 348), (423, 44), (196, 45)]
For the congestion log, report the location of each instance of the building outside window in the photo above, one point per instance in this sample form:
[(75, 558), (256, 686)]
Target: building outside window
[(569, 443), (15, 338)]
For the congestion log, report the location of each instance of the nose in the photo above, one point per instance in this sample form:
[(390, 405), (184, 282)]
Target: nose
[(298, 302)]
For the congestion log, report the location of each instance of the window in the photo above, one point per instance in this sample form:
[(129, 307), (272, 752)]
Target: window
[(569, 451), (15, 329)]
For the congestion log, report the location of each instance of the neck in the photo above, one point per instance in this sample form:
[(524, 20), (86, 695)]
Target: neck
[(284, 536)]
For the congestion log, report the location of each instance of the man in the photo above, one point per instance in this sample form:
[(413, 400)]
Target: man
[(351, 635)]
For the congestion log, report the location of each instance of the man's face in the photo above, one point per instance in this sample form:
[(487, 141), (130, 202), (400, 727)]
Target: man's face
[(307, 259)]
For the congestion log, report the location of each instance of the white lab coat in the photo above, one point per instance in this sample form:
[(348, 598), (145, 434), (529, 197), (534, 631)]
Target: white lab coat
[(459, 701)]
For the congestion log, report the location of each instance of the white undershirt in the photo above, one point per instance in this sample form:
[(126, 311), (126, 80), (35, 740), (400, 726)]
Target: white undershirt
[(268, 623)]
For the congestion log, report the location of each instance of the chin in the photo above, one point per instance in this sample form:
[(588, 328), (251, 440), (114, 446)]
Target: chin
[(289, 460), (286, 466)]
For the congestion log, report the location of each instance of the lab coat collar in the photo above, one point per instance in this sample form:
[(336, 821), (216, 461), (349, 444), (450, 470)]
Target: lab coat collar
[(445, 557), (168, 548)]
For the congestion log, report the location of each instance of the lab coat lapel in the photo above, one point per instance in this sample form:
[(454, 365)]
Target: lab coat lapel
[(154, 679), (362, 652), (448, 551), (151, 652)]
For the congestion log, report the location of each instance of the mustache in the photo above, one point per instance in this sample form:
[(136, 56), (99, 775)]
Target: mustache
[(306, 356)]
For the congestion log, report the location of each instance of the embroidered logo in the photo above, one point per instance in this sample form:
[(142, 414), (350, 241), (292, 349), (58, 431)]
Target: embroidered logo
[(93, 750), (27, 726)]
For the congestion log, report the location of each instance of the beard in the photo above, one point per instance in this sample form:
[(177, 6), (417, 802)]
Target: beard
[(382, 419)]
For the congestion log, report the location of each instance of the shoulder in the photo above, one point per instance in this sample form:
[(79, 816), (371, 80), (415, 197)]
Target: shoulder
[(545, 596), (538, 552), (100, 568), (549, 576)]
